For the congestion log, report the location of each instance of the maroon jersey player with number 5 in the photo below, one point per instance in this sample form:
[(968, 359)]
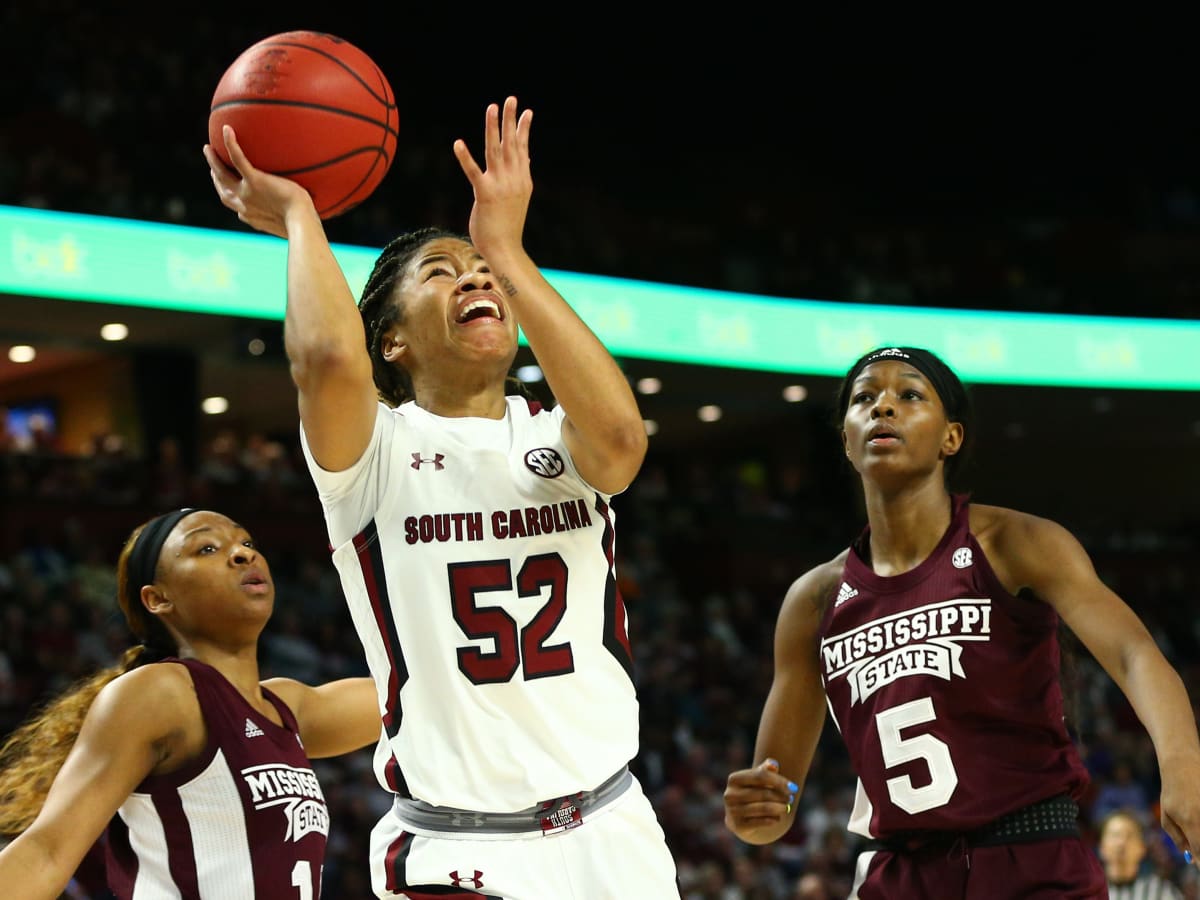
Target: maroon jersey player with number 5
[(932, 640)]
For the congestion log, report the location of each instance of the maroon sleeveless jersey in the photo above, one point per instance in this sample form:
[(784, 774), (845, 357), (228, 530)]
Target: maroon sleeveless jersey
[(246, 820), (945, 689)]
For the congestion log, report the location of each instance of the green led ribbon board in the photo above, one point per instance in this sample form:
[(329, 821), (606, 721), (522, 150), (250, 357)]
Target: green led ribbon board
[(193, 270)]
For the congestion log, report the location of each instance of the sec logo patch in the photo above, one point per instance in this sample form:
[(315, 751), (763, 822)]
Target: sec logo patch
[(545, 462)]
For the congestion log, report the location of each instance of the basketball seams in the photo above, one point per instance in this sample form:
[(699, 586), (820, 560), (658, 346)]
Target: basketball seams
[(333, 161), (299, 116), (351, 200), (318, 107), (387, 100)]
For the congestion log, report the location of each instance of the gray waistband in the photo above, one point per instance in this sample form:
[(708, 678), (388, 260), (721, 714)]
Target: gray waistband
[(549, 816)]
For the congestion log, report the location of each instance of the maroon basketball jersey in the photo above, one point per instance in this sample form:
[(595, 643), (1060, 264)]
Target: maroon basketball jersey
[(945, 689), (246, 819)]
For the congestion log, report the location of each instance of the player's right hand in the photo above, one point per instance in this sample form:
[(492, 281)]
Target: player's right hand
[(760, 803), (260, 199)]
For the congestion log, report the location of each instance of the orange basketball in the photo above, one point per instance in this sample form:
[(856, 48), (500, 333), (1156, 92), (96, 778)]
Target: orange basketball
[(314, 108)]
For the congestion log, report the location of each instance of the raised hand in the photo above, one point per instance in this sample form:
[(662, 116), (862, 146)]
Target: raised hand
[(759, 802), (503, 189), (260, 199), (1180, 802)]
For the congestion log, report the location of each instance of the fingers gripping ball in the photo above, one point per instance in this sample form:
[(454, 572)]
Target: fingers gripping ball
[(313, 108)]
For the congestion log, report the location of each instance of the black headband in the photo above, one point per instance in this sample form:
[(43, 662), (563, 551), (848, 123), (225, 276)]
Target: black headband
[(935, 371), (143, 559)]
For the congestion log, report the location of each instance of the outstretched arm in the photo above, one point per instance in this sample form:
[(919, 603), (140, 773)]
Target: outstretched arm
[(604, 429), (334, 718), (323, 331), (131, 729), (760, 802), (1043, 556)]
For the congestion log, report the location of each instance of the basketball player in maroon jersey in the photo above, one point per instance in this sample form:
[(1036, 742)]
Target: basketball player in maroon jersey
[(932, 640), (197, 773)]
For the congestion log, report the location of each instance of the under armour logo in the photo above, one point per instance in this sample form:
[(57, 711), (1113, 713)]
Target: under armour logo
[(466, 818), (436, 459), (468, 881)]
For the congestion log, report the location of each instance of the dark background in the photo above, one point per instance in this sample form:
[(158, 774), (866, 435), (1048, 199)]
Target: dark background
[(742, 126)]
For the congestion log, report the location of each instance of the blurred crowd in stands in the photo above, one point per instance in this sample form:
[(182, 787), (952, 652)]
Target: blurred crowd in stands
[(111, 120), (706, 548)]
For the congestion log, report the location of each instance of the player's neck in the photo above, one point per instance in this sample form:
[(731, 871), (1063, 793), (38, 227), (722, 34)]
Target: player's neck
[(906, 526), (487, 403), (238, 665)]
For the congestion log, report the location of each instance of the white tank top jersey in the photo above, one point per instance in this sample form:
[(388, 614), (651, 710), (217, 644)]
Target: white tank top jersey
[(479, 571)]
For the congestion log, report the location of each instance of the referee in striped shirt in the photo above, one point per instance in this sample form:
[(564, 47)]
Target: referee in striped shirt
[(1123, 850)]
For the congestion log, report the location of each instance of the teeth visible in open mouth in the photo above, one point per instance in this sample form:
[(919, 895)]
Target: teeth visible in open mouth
[(488, 306)]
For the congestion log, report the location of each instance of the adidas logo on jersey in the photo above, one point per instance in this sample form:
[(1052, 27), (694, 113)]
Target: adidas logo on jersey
[(845, 592), (253, 730)]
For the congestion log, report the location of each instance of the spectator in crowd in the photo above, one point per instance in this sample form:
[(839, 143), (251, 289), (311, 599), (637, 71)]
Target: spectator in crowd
[(1123, 850)]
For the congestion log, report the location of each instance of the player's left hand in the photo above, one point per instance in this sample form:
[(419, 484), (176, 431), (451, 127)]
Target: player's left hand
[(1180, 802), (503, 189)]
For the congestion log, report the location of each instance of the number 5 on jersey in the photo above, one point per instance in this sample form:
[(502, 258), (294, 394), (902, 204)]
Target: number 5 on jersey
[(898, 749)]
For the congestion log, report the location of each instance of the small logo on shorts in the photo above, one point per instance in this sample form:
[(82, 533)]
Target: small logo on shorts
[(961, 558), (561, 814), (467, 881)]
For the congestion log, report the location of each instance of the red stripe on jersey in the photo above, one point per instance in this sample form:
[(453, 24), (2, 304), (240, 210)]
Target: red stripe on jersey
[(370, 561), (396, 878), (181, 855), (616, 633), (394, 777)]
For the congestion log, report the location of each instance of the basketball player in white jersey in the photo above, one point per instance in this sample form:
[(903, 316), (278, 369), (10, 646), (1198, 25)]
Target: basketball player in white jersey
[(197, 773), (475, 541)]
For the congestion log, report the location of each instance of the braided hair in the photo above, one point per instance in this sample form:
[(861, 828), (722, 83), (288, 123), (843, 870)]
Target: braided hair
[(380, 311)]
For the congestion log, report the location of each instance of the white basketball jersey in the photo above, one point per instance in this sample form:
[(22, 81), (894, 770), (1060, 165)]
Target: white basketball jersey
[(479, 571)]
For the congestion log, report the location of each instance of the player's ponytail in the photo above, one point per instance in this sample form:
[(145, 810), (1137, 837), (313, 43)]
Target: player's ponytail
[(32, 755)]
